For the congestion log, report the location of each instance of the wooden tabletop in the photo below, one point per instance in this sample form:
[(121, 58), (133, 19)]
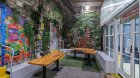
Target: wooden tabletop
[(89, 51), (47, 59), (86, 50)]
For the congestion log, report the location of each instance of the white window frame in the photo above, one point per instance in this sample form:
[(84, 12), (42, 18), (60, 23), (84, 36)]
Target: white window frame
[(109, 35)]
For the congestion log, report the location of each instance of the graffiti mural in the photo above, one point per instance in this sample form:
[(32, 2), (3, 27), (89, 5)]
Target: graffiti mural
[(15, 39)]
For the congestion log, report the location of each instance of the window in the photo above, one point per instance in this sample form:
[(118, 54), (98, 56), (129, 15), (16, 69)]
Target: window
[(109, 40)]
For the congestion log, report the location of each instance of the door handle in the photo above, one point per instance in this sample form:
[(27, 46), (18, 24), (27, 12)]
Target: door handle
[(131, 49)]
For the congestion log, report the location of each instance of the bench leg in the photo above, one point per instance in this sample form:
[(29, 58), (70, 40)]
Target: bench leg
[(74, 53), (44, 71), (57, 66)]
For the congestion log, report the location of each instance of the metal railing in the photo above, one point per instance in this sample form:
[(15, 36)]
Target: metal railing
[(11, 60)]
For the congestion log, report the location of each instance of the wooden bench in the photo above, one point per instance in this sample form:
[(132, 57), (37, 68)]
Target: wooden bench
[(47, 60), (86, 51)]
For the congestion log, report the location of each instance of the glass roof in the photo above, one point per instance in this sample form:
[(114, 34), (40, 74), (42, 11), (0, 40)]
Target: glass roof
[(112, 7)]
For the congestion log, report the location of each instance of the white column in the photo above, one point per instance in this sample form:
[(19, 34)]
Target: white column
[(121, 46), (133, 48), (116, 23)]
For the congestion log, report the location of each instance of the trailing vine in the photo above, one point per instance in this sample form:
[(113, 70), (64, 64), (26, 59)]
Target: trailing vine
[(55, 13), (15, 15), (28, 31), (45, 40), (35, 18)]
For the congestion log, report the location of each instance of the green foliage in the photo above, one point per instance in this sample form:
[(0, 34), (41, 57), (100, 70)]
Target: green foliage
[(48, 1), (90, 20), (3, 1), (45, 39), (15, 14), (28, 31), (55, 13), (35, 17)]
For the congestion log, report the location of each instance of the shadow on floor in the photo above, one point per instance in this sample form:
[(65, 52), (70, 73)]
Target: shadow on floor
[(49, 73), (80, 62), (73, 68)]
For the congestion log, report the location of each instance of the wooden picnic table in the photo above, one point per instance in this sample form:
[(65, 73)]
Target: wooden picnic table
[(86, 51), (47, 60)]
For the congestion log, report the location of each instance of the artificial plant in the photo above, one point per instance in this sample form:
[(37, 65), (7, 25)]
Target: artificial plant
[(55, 12), (35, 17), (90, 20), (45, 40), (15, 15), (28, 31)]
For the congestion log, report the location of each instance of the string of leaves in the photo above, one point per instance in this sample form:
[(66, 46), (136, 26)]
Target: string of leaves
[(55, 13), (35, 18), (15, 14), (45, 40), (28, 31)]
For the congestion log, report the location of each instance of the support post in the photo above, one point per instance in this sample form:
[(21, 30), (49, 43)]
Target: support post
[(44, 71)]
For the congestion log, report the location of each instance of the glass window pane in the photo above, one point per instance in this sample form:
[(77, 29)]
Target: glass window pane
[(107, 41), (126, 64), (137, 69), (107, 51), (111, 53), (136, 45), (126, 44), (127, 27), (112, 7), (137, 25), (111, 30), (106, 30), (111, 42)]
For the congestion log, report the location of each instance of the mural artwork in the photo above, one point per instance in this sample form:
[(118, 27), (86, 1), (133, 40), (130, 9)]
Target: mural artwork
[(15, 39)]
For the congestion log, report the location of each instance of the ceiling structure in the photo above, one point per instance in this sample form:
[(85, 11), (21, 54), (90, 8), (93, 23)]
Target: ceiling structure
[(85, 6)]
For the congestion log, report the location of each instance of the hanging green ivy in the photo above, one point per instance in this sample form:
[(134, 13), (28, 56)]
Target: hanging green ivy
[(55, 13), (15, 14), (45, 40), (28, 31), (35, 17)]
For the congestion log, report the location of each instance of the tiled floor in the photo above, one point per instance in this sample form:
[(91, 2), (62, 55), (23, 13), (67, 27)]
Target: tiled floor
[(72, 72)]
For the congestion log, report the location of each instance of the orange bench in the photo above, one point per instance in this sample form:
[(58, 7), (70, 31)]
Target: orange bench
[(47, 60), (85, 51)]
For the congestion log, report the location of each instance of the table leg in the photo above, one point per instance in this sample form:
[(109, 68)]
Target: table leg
[(88, 61), (44, 71), (74, 53)]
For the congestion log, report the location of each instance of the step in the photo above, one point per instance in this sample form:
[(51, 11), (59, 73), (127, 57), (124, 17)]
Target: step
[(5, 76), (2, 70)]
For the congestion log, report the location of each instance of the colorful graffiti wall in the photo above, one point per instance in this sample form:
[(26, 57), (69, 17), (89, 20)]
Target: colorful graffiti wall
[(15, 38)]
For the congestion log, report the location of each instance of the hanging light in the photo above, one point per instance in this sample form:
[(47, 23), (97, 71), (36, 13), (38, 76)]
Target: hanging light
[(87, 7)]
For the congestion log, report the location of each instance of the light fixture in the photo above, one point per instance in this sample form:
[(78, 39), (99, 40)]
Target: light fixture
[(87, 7)]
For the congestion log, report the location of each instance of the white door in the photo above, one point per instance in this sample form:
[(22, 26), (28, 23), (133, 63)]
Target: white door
[(129, 51)]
